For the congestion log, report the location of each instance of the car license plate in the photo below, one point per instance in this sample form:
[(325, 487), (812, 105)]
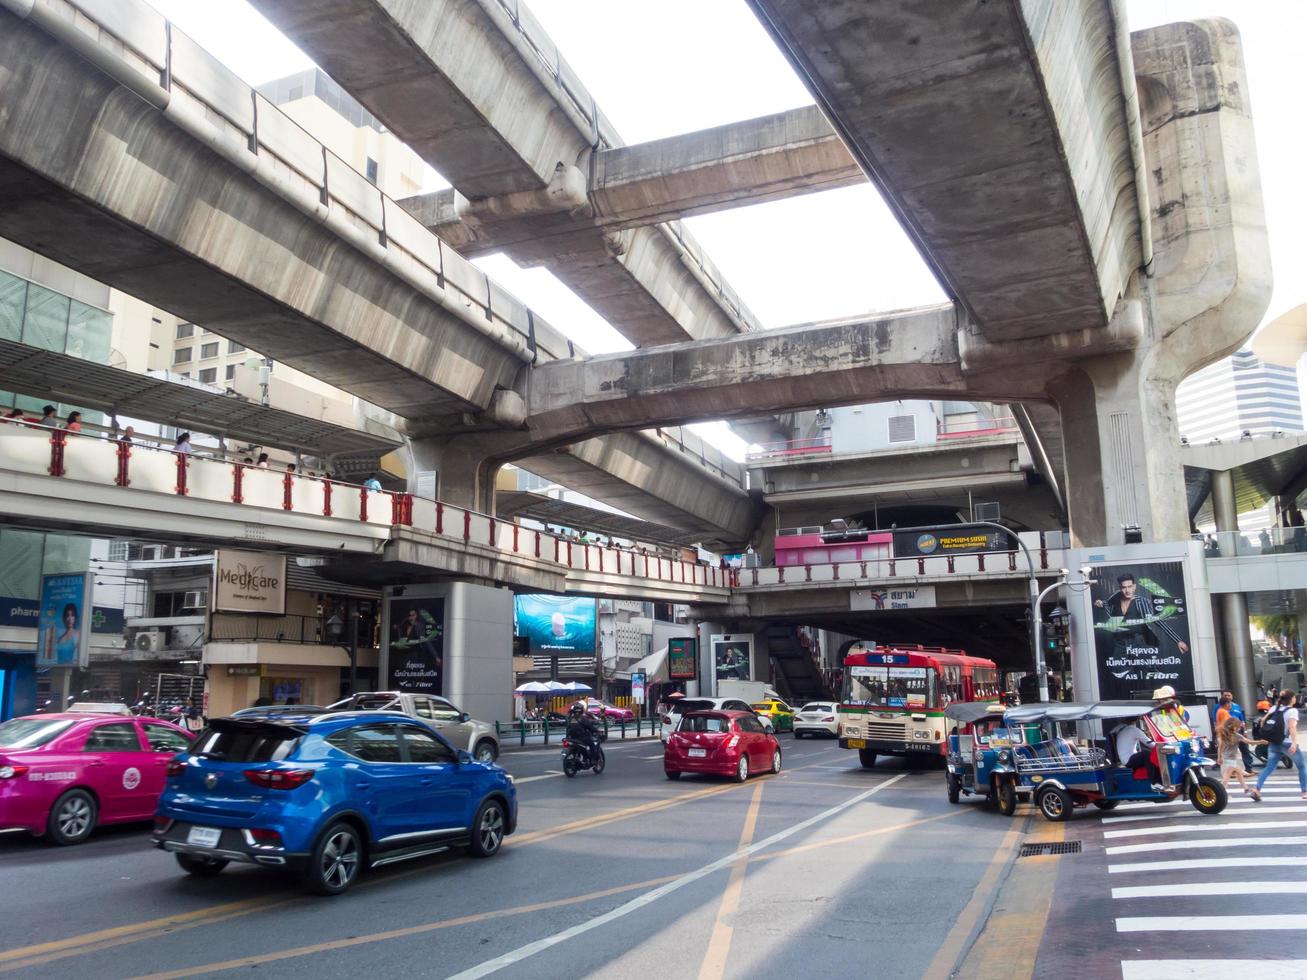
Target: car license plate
[(698, 753), (857, 743), (204, 836)]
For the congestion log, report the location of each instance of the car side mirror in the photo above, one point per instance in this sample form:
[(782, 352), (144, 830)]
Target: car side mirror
[(464, 717), (464, 757)]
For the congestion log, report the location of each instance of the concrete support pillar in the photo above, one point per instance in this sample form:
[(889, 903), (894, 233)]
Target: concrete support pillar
[(457, 470), (1223, 505), (1122, 449), (1235, 629)]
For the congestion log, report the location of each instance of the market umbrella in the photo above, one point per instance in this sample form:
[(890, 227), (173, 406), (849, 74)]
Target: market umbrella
[(532, 687), (576, 687), (556, 686)]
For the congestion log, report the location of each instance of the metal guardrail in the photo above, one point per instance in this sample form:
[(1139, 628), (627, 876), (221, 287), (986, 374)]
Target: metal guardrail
[(522, 730)]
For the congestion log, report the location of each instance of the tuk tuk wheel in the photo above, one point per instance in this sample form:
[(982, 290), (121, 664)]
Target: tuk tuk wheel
[(1209, 796), (1107, 804), (1006, 795), (954, 787), (867, 757), (1055, 804)]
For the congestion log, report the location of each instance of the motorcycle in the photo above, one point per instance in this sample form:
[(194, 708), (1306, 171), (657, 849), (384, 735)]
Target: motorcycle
[(576, 758)]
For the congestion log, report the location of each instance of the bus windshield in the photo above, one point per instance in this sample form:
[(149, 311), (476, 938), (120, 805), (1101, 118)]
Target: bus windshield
[(888, 687)]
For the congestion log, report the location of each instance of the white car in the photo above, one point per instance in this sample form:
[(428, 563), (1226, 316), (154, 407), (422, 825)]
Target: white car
[(680, 706), (817, 718)]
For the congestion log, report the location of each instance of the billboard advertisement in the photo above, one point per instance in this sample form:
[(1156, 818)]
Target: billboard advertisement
[(63, 636), (415, 644), (964, 539), (683, 658), (733, 657), (556, 623), (249, 582), (1141, 628), (638, 686)]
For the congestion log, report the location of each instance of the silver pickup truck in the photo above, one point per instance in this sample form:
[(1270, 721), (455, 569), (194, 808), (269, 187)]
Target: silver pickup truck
[(462, 730)]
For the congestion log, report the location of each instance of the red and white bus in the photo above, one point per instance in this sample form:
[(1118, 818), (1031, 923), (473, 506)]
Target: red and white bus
[(893, 697), (828, 545)]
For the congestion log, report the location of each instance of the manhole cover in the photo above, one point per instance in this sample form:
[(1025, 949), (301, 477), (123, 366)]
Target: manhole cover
[(1062, 847)]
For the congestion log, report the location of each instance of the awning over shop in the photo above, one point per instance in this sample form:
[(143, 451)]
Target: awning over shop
[(654, 667)]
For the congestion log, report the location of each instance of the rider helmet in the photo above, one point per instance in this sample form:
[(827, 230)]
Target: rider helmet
[(577, 709)]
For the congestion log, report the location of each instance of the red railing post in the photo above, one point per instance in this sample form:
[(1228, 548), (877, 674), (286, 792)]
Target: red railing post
[(363, 503), (1011, 561), (237, 477), (326, 498), (537, 544), (467, 525), (807, 573), (287, 484), (182, 463), (892, 565), (585, 549), (862, 572), (837, 571), (921, 566), (1043, 558), (124, 465), (396, 509), (601, 561), (516, 528), (492, 532), (780, 574), (951, 559), (569, 553), (556, 549), (57, 439), (440, 517), (980, 561)]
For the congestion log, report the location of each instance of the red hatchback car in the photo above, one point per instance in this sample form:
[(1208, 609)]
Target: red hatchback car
[(62, 775), (721, 743)]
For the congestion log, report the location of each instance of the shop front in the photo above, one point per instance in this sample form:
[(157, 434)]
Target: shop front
[(241, 675)]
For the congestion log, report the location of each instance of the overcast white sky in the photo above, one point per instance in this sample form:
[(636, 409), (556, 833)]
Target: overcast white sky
[(675, 66)]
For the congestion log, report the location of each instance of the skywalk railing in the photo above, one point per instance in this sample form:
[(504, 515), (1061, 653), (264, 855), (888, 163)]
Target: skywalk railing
[(83, 458)]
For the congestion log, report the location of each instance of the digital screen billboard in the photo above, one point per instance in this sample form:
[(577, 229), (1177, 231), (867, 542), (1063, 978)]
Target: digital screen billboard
[(683, 658), (1141, 629), (963, 539), (557, 623)]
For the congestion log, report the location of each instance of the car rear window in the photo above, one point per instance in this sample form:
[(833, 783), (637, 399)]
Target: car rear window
[(682, 706), (705, 723), (816, 707), (31, 733), (246, 743)]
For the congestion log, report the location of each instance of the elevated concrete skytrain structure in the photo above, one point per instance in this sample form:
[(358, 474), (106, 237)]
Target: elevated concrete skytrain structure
[(128, 153)]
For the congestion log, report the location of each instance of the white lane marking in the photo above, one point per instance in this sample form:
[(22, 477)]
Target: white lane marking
[(1212, 969), (1199, 889), (1268, 788), (1191, 864), (1187, 845), (549, 774), (647, 757), (1177, 814), (648, 898), (1203, 828), (1205, 923)]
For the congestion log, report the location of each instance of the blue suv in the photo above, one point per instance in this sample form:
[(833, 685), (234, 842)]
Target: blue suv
[(328, 796)]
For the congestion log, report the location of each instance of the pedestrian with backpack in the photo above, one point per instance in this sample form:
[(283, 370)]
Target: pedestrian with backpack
[(1280, 729)]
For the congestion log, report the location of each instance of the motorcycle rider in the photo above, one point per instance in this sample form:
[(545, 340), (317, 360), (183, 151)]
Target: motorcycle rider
[(582, 730)]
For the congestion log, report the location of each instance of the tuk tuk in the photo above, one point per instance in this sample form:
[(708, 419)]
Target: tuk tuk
[(980, 755), (1060, 775)]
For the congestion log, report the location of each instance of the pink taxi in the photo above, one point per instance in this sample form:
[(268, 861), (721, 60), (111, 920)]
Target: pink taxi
[(62, 775)]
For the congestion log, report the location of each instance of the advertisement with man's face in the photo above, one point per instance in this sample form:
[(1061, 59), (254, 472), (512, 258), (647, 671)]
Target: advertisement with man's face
[(1141, 629), (415, 645), (732, 658), (556, 623)]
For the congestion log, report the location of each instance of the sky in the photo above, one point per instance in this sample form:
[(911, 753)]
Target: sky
[(819, 256)]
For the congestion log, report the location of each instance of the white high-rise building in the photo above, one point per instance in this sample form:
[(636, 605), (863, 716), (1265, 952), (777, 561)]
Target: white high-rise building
[(1239, 394)]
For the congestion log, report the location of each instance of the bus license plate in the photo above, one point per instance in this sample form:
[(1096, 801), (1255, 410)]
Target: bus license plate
[(857, 743)]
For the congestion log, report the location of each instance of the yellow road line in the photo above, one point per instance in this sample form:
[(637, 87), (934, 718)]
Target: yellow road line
[(941, 967), (103, 939), (1009, 944), (719, 944), (376, 937)]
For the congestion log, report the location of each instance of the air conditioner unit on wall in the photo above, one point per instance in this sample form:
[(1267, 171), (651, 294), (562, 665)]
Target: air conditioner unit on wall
[(151, 641), (987, 511)]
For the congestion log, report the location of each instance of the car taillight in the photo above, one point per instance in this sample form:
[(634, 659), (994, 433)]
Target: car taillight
[(733, 741), (264, 837), (279, 778), (566, 744), (13, 772), (176, 767), (162, 824), (828, 719)]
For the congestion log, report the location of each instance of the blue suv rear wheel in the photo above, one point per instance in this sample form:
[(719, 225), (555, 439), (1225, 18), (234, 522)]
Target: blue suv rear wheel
[(336, 860)]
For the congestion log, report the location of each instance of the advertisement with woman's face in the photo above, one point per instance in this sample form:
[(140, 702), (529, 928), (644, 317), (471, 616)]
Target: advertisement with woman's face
[(1141, 629), (63, 638)]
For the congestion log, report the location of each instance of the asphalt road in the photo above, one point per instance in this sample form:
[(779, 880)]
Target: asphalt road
[(820, 870)]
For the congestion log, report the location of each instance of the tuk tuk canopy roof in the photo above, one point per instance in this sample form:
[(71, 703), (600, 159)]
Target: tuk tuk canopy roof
[(1073, 711), (968, 712)]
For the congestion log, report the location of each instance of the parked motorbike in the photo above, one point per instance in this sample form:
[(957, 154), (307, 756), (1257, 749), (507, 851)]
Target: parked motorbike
[(576, 758)]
